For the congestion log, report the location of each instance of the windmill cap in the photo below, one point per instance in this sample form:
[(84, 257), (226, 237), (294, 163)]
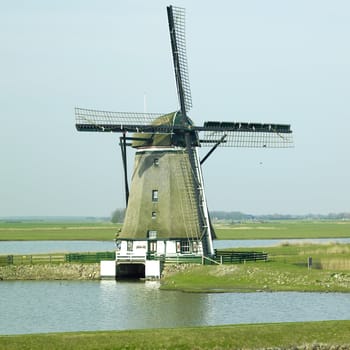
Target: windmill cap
[(177, 123)]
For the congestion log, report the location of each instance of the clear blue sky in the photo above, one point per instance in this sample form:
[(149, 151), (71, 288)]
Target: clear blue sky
[(262, 61)]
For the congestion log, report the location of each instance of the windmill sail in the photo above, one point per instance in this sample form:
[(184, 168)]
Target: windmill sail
[(107, 121), (176, 19), (251, 135)]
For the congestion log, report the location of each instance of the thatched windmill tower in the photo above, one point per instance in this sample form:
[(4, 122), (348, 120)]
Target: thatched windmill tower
[(167, 213)]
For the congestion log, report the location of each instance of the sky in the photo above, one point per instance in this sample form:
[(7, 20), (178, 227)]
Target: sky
[(252, 61)]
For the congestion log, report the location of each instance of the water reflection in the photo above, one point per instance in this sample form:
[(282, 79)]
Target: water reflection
[(56, 306), (143, 305)]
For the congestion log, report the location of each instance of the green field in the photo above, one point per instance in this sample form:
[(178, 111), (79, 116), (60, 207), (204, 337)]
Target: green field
[(333, 335), (285, 229), (106, 230), (27, 231)]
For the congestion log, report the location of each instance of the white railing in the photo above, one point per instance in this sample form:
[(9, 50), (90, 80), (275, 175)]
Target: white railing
[(130, 258)]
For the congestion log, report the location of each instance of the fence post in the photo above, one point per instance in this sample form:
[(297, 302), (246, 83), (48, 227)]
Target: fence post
[(309, 262)]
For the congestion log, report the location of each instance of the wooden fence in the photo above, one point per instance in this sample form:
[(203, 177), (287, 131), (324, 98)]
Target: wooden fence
[(32, 259), (221, 257), (232, 257)]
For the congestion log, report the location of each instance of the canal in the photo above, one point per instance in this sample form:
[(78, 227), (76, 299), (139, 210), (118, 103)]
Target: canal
[(66, 306)]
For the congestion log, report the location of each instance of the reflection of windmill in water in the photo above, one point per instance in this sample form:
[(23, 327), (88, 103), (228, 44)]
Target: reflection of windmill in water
[(167, 213)]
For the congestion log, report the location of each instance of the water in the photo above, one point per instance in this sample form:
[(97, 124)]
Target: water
[(56, 306), (253, 243), (37, 247)]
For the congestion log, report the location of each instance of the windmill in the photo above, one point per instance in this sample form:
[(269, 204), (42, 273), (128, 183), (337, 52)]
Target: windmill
[(166, 209)]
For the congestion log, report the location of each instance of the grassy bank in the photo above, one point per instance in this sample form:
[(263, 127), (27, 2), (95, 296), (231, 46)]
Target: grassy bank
[(286, 270), (310, 335), (106, 230)]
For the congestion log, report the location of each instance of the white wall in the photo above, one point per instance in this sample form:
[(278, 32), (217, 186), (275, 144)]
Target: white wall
[(107, 269), (152, 269), (161, 247), (171, 247), (139, 248)]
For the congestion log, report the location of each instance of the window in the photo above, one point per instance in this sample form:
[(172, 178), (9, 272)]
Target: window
[(129, 246), (156, 161), (185, 246), (152, 246), (154, 195), (154, 214), (152, 234)]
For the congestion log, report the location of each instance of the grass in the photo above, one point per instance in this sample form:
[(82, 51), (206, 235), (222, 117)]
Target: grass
[(285, 229), (286, 270), (25, 231), (106, 231), (306, 335)]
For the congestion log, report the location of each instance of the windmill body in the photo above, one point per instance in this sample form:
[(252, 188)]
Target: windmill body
[(166, 214), (166, 210)]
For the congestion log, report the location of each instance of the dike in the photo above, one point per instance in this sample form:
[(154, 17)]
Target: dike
[(50, 272)]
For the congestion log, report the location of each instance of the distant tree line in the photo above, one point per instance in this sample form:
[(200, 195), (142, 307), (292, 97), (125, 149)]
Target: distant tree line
[(118, 216), (332, 216), (230, 216), (238, 216)]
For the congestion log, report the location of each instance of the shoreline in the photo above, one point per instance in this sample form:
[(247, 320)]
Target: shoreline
[(50, 272), (248, 278), (252, 277)]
